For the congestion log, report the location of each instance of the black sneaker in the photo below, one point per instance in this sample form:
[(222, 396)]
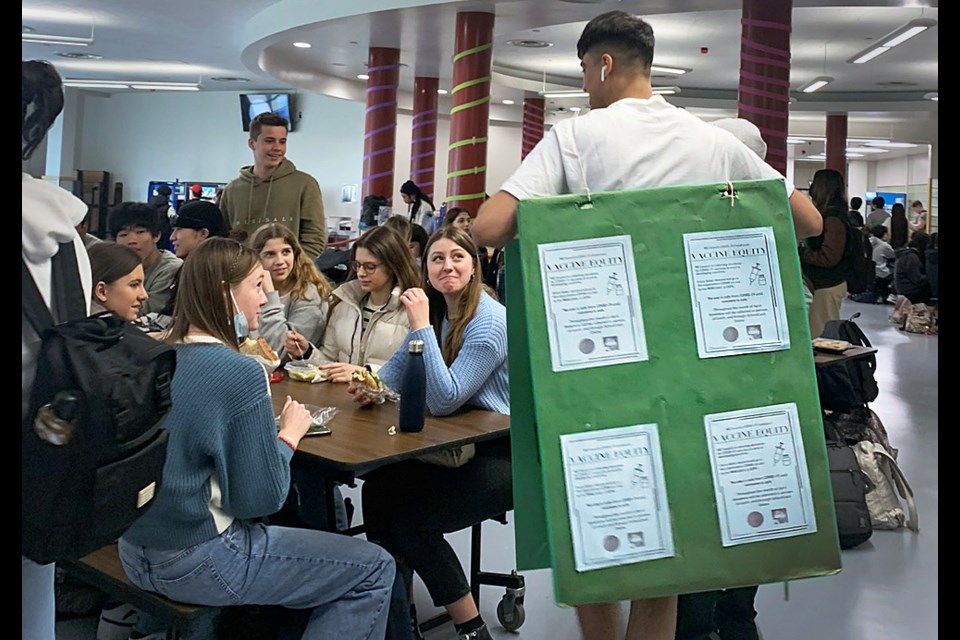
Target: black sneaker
[(480, 633)]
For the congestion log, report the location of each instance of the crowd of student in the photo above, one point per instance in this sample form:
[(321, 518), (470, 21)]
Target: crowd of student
[(207, 539)]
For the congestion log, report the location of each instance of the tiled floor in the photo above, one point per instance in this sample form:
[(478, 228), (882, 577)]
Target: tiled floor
[(888, 586)]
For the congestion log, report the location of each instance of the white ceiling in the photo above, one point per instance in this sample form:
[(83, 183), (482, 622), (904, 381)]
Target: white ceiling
[(197, 41)]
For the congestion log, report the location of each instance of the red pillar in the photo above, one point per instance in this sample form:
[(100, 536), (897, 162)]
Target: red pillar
[(467, 160), (837, 142), (764, 95), (423, 143), (380, 128), (532, 124)]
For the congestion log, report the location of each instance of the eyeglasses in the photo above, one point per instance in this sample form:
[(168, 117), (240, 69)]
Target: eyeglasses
[(368, 267)]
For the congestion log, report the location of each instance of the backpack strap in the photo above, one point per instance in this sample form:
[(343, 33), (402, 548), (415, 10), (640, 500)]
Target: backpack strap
[(67, 291), (892, 471)]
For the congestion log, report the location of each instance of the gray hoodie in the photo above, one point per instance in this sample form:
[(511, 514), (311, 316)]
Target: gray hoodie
[(49, 216)]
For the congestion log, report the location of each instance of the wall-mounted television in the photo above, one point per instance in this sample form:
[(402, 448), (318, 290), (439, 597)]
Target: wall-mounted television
[(888, 199), (253, 104)]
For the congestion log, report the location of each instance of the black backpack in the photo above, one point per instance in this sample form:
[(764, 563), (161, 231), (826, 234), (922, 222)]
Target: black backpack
[(849, 384), (93, 447), (861, 270), (850, 487)]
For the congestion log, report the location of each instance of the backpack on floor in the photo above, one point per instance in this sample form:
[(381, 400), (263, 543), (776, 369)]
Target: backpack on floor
[(93, 447), (889, 487), (848, 384), (850, 486)]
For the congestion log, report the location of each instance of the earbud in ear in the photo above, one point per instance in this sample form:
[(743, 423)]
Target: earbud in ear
[(603, 73)]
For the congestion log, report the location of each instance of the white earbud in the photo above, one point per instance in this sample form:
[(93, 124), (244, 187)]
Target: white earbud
[(603, 73)]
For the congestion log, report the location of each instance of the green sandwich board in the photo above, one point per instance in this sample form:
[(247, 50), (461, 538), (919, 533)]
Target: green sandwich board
[(680, 380)]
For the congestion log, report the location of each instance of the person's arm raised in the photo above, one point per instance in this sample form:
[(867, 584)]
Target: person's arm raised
[(807, 221), (496, 222)]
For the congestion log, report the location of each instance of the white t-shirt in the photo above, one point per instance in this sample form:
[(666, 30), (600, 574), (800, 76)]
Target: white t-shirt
[(634, 143)]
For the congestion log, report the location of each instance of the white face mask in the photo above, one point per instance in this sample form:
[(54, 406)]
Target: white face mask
[(240, 325)]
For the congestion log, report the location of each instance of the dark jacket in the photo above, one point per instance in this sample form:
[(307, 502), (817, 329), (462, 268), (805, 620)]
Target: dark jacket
[(908, 276), (823, 258), (933, 271)]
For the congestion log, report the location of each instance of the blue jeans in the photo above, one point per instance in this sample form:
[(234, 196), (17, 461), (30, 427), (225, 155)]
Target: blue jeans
[(36, 600), (346, 581)]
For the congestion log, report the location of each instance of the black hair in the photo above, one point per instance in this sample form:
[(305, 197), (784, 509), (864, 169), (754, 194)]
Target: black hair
[(920, 241), (41, 101), (419, 235), (878, 202), (630, 37), (410, 188), (878, 231), (133, 214), (856, 203), (110, 261), (164, 190), (827, 191)]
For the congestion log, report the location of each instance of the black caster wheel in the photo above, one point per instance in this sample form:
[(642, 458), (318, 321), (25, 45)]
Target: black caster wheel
[(510, 615)]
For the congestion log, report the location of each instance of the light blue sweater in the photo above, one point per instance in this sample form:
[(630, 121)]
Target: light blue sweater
[(222, 435), (478, 376)]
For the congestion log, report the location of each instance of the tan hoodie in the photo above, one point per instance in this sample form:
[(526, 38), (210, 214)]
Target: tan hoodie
[(288, 197)]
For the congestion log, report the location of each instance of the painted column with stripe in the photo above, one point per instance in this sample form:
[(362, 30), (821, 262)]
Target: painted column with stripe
[(532, 124), (764, 96), (423, 138), (380, 127), (470, 110), (837, 143)]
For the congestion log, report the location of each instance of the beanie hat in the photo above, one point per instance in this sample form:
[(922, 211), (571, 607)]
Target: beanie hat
[(133, 214), (200, 214), (746, 132)]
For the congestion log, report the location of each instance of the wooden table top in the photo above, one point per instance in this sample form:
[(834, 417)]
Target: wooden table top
[(360, 441), (828, 357)]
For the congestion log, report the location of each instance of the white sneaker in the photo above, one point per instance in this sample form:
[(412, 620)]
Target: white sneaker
[(117, 621)]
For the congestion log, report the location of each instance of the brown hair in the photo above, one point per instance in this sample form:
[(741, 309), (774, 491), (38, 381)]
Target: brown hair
[(401, 225), (452, 214), (469, 299), (304, 272), (391, 250), (267, 119), (110, 261), (203, 293)]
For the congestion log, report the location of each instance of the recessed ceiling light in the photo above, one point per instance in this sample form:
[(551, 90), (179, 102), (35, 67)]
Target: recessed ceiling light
[(25, 29), (673, 71), (302, 45), (363, 76), (508, 102), (896, 37), (894, 145), (665, 91), (854, 155), (530, 44), (816, 84), (575, 109), (931, 96), (795, 141), (862, 150), (76, 55), (229, 79), (442, 92)]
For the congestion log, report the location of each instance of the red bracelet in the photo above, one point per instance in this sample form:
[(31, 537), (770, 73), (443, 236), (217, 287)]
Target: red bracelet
[(290, 443)]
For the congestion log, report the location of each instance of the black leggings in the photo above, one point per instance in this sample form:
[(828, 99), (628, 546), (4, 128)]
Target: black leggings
[(408, 506)]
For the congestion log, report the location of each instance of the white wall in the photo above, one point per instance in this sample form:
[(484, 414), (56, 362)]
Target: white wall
[(140, 137)]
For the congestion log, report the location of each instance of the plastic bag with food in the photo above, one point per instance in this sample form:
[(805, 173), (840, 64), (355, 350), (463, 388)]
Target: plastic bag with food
[(369, 385), (260, 351), (304, 371)]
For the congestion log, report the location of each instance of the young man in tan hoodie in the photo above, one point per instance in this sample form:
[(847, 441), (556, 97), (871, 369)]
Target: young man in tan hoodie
[(273, 190)]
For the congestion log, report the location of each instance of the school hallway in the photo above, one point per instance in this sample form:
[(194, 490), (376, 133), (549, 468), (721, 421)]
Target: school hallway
[(888, 586)]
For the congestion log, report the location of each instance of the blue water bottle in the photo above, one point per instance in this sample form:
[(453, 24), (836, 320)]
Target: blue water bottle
[(413, 389)]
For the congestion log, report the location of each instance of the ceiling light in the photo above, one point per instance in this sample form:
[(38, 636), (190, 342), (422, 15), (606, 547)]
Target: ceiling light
[(94, 85), (363, 76), (442, 92), (931, 96), (894, 145), (854, 155), (76, 55), (25, 29), (896, 37), (165, 87), (39, 38), (76, 82), (674, 71), (795, 141), (865, 150), (576, 109), (530, 44), (665, 91), (508, 102), (570, 93), (302, 45), (817, 83)]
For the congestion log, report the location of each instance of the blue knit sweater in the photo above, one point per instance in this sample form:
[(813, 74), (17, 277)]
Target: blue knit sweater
[(224, 459), (478, 376)]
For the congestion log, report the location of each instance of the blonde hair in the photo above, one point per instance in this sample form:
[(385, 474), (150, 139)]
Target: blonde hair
[(203, 292), (304, 272), (469, 299)]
